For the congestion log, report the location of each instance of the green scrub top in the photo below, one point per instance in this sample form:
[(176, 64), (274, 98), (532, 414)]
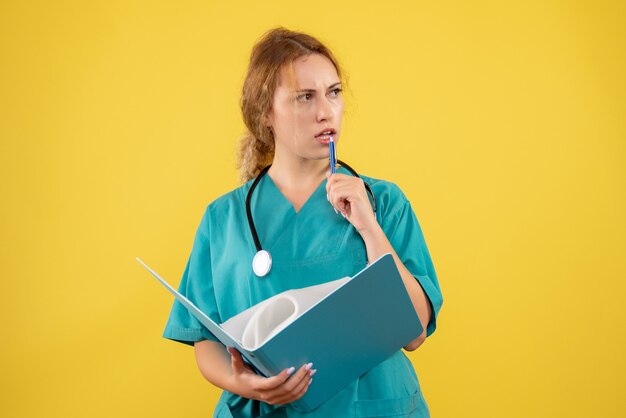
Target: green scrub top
[(313, 246)]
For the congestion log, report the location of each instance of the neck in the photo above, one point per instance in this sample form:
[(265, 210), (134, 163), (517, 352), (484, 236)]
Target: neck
[(292, 173)]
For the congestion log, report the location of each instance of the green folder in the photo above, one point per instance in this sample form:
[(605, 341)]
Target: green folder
[(344, 328)]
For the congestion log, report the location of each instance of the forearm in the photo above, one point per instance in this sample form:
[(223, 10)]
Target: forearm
[(377, 244), (214, 364)]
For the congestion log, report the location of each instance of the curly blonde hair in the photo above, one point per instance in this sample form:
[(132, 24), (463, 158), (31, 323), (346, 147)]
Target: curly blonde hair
[(275, 50)]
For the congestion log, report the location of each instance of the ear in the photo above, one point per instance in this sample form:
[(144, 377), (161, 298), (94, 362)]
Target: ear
[(267, 120)]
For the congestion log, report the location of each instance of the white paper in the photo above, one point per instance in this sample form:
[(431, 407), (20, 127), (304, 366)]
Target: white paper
[(259, 323)]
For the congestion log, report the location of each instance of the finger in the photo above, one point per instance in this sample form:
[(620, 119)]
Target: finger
[(343, 206), (236, 361), (276, 381), (340, 197), (303, 390), (329, 193), (282, 390), (334, 201), (335, 178), (301, 375), (298, 391), (350, 192)]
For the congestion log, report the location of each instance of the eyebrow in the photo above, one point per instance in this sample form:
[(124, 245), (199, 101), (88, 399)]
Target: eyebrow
[(312, 90)]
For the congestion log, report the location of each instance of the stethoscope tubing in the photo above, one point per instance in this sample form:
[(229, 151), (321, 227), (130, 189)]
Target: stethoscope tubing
[(255, 236)]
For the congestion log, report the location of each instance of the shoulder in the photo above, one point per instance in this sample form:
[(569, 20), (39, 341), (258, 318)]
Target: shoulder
[(235, 197), (389, 197), (225, 208), (393, 208)]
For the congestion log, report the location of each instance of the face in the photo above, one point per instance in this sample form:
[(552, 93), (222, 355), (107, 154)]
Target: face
[(308, 101)]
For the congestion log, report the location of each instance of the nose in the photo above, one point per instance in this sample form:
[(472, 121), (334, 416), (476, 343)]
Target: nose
[(325, 110)]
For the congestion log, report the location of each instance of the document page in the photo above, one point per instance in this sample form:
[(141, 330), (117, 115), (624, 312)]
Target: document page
[(259, 323)]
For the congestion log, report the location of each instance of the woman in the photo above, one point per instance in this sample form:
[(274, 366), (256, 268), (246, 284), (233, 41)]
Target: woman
[(317, 226)]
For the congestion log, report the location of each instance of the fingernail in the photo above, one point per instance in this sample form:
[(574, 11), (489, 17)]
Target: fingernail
[(343, 214), (327, 198), (335, 209), (308, 366), (310, 380), (290, 370), (313, 372)]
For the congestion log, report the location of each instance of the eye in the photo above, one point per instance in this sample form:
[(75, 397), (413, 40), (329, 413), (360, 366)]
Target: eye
[(335, 92), (304, 97)]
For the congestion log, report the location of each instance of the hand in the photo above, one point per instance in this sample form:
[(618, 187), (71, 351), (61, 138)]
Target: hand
[(347, 194), (283, 388)]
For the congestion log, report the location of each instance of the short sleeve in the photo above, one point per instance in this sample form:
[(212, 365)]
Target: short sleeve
[(406, 237), (197, 286)]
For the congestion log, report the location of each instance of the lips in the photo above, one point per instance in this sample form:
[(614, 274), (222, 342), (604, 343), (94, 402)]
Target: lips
[(326, 132)]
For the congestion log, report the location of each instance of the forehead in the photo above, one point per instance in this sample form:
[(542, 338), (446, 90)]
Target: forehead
[(308, 72)]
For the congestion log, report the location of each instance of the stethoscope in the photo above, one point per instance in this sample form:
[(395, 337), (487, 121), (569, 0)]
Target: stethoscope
[(262, 261)]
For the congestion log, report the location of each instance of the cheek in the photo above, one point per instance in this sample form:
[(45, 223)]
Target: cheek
[(299, 120), (339, 108), (283, 120), (291, 126)]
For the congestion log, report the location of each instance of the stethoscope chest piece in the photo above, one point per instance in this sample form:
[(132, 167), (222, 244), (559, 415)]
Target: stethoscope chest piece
[(262, 263)]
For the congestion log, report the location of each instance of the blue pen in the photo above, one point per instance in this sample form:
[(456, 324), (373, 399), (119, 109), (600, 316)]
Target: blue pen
[(333, 161), (333, 156)]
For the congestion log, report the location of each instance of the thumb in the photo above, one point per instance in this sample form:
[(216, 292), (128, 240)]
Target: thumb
[(236, 361)]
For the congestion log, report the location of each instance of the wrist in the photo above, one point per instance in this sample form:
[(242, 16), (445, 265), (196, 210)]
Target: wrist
[(372, 232), (234, 385), (376, 243)]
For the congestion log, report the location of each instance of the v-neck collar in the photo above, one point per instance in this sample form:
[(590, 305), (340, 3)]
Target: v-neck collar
[(274, 215), (306, 203)]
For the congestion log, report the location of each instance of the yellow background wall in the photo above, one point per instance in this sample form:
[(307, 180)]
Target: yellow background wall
[(502, 121)]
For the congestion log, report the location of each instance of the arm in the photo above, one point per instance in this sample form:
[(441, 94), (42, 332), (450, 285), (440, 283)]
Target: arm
[(226, 370), (348, 195), (377, 245)]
